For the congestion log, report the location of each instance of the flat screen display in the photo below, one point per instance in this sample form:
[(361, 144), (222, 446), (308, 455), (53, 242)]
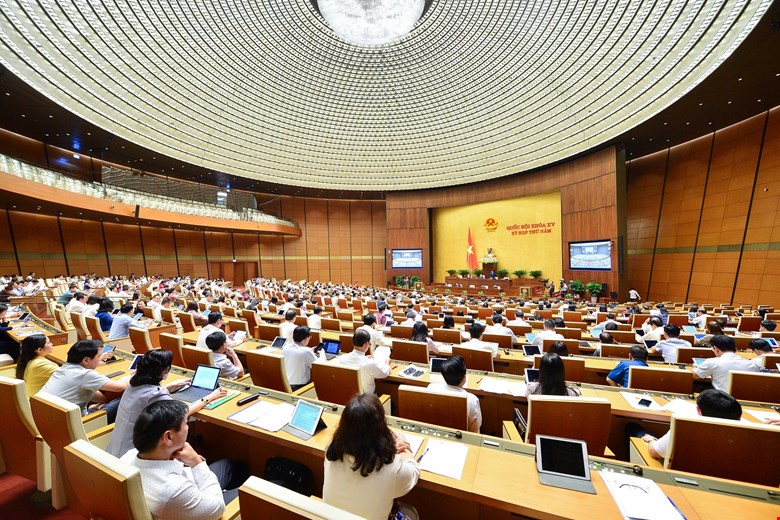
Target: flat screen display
[(407, 258), (593, 256)]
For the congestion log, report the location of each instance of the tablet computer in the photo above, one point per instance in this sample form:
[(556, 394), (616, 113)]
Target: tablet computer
[(278, 342), (531, 375), (136, 359), (650, 343), (306, 420), (698, 360), (771, 341), (530, 337), (531, 350), (107, 349), (435, 364), (563, 463), (689, 328)]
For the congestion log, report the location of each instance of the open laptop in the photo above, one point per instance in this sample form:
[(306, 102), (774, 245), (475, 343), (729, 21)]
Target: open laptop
[(563, 463), (205, 380), (531, 350), (331, 347), (306, 420)]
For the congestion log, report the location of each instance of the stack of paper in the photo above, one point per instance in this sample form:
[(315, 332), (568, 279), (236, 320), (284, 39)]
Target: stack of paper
[(682, 407), (444, 458), (265, 415), (633, 400), (639, 498), (381, 355)]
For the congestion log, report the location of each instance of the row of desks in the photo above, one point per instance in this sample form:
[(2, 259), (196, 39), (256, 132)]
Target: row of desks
[(498, 481)]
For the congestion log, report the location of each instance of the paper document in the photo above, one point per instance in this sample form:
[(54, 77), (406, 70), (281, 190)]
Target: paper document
[(682, 407), (763, 415), (240, 336), (381, 355), (444, 458), (639, 498), (517, 389), (265, 415), (491, 384), (633, 400), (415, 441), (413, 372), (445, 348)]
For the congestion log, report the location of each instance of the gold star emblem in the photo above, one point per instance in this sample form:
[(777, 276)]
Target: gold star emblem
[(470, 250)]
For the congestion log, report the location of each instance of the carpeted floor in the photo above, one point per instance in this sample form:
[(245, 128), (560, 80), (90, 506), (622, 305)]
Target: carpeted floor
[(15, 504)]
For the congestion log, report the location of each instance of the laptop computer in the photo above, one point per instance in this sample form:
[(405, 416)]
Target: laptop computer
[(306, 420), (205, 380), (331, 347), (531, 350), (563, 463), (698, 337)]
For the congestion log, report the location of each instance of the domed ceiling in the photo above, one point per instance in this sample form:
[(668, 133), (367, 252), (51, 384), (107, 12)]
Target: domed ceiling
[(473, 90)]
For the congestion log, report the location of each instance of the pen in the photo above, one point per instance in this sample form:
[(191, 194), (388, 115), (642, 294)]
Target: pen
[(677, 508), (423, 455), (480, 380)]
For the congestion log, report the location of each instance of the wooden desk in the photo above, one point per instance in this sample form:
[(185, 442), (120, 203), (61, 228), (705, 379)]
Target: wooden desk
[(36, 326)]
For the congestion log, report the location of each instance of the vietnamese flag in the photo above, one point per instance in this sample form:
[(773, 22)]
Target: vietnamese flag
[(471, 255)]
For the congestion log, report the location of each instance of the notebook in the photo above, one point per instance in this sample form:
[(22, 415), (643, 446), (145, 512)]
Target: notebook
[(205, 380)]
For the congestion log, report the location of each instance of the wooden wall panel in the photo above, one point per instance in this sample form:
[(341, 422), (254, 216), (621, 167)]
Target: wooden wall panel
[(317, 239), (84, 246), (191, 251), (379, 244), (38, 243), (272, 257), (360, 241), (338, 236), (295, 248), (8, 263), (123, 242), (159, 251), (219, 246)]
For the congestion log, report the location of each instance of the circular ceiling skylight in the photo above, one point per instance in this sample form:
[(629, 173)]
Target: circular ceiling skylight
[(371, 22)]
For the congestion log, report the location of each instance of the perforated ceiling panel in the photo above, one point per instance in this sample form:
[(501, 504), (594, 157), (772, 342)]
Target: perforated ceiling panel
[(265, 89)]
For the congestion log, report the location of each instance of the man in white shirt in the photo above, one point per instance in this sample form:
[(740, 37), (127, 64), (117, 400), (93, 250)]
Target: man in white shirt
[(77, 304), (155, 301), (214, 325), (410, 319), (177, 482), (669, 345), (476, 331), (760, 348), (298, 357), (498, 328), (652, 328), (700, 321), (370, 369), (453, 369), (518, 319), (225, 358), (314, 321), (548, 332), (633, 295), (601, 326), (369, 326), (725, 360), (287, 327)]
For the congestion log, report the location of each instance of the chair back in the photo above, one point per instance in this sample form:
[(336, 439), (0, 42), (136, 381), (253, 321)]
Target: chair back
[(729, 444), (331, 324), (574, 368), (260, 499), (346, 343), (167, 315), (503, 340), (520, 330), (770, 361), (18, 450), (267, 332), (572, 345), (267, 370), (749, 323), (623, 336), (174, 344), (686, 354), (447, 336), (434, 323), (80, 325), (93, 326), (680, 320), (230, 311), (414, 351), (401, 331), (582, 418), (62, 322), (569, 333), (615, 351), (443, 409), (148, 312), (194, 356), (140, 340), (345, 315), (108, 488), (233, 325), (335, 383), (572, 316), (187, 321), (661, 379), (251, 318), (475, 359), (301, 321), (762, 387)]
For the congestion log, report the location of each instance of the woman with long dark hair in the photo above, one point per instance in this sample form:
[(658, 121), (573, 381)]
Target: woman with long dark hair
[(32, 365), (145, 389), (104, 310), (367, 466), (552, 378), (420, 333)]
